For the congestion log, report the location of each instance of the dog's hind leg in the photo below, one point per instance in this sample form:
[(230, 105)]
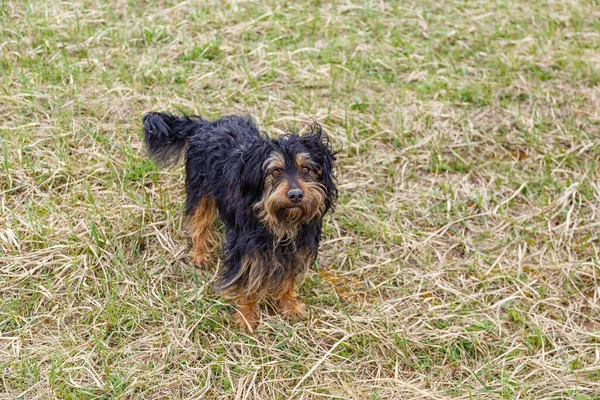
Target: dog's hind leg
[(201, 226)]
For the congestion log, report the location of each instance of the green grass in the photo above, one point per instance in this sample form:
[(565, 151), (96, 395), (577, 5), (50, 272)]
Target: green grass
[(461, 261)]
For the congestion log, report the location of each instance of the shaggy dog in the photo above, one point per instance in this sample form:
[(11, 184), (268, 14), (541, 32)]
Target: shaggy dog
[(270, 194)]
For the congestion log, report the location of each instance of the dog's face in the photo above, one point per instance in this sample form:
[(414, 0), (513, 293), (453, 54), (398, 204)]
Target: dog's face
[(296, 182), (293, 192)]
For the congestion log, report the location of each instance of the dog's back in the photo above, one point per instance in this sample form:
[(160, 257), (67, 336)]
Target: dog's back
[(167, 135), (212, 148)]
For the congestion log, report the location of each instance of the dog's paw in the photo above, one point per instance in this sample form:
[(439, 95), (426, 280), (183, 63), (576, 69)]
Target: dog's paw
[(292, 309), (247, 321)]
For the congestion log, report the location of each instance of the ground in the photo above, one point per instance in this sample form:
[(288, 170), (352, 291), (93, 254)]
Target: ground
[(462, 258)]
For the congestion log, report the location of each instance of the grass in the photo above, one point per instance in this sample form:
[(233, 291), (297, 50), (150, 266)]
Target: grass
[(462, 260)]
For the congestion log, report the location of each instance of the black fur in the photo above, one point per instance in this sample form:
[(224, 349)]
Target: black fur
[(224, 161), (166, 135)]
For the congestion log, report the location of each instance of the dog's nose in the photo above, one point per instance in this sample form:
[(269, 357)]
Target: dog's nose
[(295, 195)]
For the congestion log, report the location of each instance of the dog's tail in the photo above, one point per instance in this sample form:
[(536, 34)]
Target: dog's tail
[(166, 135)]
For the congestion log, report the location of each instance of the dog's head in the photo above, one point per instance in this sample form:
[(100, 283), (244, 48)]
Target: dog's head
[(294, 175)]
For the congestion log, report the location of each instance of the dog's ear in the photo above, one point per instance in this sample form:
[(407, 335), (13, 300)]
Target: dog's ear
[(319, 146), (248, 174)]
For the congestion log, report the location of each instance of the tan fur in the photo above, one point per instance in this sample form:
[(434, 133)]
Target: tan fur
[(201, 225), (303, 258), (256, 272), (275, 210), (261, 274), (289, 304), (285, 295), (255, 268), (259, 280), (284, 229), (248, 312), (261, 285), (303, 160), (274, 161)]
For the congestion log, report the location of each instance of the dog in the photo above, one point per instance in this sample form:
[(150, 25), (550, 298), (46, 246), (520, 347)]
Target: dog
[(270, 194)]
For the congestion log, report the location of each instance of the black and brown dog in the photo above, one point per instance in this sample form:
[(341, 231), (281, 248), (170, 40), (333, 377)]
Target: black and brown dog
[(270, 194)]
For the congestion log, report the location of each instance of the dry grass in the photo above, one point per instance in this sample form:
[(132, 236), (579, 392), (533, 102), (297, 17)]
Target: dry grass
[(461, 262)]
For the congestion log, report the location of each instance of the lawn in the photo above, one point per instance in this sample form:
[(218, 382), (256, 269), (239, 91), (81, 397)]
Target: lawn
[(462, 260)]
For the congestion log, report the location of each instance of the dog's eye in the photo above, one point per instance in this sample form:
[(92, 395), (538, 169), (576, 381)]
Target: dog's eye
[(305, 170), (276, 172)]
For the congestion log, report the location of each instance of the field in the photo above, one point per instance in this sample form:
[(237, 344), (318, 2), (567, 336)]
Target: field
[(462, 260)]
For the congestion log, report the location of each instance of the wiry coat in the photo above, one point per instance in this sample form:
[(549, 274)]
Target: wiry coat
[(225, 161)]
